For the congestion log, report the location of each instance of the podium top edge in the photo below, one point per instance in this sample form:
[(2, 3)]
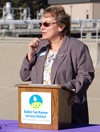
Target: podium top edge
[(52, 86), (37, 85)]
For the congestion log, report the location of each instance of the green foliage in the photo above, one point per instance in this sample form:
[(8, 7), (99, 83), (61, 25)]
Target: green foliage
[(34, 5)]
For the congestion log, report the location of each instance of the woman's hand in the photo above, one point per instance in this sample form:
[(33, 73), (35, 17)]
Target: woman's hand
[(33, 45)]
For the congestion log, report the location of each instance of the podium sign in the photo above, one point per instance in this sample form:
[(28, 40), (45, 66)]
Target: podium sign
[(44, 107), (36, 107)]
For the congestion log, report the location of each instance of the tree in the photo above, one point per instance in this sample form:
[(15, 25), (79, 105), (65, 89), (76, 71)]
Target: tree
[(34, 5)]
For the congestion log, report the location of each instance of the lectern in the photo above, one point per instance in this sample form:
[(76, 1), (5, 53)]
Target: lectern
[(44, 106)]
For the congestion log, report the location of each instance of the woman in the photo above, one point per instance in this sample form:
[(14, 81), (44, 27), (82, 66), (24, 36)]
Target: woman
[(58, 58)]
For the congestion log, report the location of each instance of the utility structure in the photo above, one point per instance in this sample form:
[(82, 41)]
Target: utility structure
[(80, 9), (23, 26), (27, 26)]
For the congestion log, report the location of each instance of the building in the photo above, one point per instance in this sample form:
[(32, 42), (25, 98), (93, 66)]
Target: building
[(80, 9)]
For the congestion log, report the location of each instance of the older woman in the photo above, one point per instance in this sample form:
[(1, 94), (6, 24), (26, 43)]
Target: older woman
[(58, 58)]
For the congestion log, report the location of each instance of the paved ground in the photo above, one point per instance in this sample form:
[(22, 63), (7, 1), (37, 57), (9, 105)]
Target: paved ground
[(12, 52)]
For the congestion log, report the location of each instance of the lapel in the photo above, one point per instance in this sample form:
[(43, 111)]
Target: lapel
[(62, 53), (58, 60), (40, 63)]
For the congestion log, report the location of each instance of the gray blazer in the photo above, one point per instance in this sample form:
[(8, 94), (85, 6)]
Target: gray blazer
[(72, 68)]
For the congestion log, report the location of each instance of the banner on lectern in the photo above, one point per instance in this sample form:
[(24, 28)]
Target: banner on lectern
[(36, 107)]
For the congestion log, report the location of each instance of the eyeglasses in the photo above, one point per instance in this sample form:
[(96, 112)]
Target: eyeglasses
[(46, 24)]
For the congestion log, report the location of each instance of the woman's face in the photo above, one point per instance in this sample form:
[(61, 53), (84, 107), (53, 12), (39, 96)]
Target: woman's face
[(50, 29)]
